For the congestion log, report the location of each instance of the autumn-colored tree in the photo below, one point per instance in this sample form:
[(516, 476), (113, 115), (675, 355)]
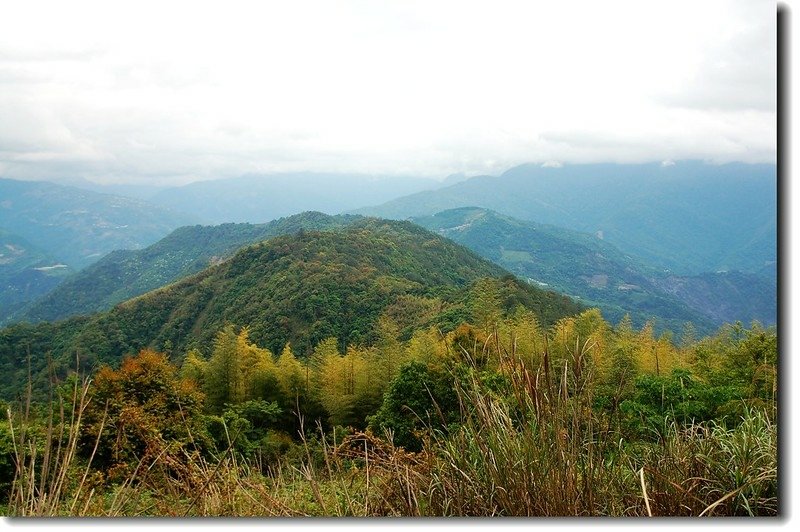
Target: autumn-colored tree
[(144, 410), (259, 373), (521, 334), (237, 371), (390, 353), (468, 343), (292, 375), (428, 346), (617, 383), (343, 382)]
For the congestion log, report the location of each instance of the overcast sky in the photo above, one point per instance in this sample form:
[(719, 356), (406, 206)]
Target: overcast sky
[(167, 93)]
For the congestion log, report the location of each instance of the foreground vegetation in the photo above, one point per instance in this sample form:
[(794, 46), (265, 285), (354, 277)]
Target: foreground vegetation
[(500, 416)]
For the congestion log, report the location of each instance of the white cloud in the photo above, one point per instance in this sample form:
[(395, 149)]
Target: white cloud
[(150, 91)]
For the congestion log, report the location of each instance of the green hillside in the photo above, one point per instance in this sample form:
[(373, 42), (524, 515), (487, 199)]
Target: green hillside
[(301, 289), (124, 274), (597, 273), (577, 264)]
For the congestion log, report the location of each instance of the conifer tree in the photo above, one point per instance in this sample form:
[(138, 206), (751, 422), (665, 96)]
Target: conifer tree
[(291, 375), (224, 383), (259, 371)]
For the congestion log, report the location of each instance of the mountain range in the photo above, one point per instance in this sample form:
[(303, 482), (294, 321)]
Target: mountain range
[(77, 226), (48, 231), (261, 198), (124, 274), (687, 217), (676, 242)]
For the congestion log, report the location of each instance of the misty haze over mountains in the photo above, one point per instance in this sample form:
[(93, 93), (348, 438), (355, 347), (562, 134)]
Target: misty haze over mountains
[(681, 221), (688, 216)]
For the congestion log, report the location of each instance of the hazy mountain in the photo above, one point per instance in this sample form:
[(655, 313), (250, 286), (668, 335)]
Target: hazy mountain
[(260, 198), (688, 217), (138, 191), (599, 274), (76, 226), (124, 274), (726, 296), (298, 288), (26, 273)]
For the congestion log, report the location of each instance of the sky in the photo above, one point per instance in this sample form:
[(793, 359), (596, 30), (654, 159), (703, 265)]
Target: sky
[(165, 93)]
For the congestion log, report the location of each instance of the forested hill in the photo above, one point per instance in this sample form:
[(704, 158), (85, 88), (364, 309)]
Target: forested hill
[(688, 217), (599, 274), (124, 274), (301, 289)]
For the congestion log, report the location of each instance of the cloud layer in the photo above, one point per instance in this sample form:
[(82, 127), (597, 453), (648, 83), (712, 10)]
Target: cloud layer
[(154, 92)]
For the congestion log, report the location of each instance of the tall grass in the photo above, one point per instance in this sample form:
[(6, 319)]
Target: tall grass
[(48, 480), (541, 450), (714, 470)]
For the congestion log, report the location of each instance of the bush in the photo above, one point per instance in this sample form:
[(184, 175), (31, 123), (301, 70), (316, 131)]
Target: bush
[(417, 399)]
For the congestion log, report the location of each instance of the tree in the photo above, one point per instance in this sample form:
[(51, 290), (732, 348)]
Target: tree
[(417, 399), (259, 373), (292, 376), (194, 367), (145, 410), (224, 379), (485, 303)]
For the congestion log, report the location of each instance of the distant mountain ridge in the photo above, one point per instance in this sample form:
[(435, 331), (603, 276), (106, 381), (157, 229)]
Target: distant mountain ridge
[(261, 198), (77, 226), (688, 217), (726, 296), (26, 273)]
